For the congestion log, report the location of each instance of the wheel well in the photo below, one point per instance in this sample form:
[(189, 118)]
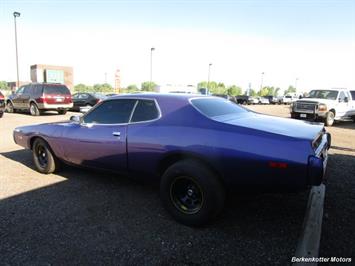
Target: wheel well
[(31, 102), (32, 140), (169, 160), (332, 110)]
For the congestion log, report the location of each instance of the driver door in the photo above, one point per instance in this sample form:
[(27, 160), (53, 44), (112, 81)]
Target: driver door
[(99, 141), (17, 98), (343, 104)]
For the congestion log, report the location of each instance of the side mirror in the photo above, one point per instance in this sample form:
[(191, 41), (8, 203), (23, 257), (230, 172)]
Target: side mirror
[(346, 99), (75, 118)]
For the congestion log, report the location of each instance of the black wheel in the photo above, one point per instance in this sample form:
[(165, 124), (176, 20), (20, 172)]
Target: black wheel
[(191, 193), (62, 112), (1, 114), (10, 107), (44, 159), (34, 110), (329, 119)]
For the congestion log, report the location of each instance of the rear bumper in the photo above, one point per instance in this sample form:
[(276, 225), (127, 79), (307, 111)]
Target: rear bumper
[(46, 106), (317, 164)]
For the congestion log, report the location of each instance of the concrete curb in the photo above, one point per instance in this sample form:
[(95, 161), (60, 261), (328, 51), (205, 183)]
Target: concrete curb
[(308, 243)]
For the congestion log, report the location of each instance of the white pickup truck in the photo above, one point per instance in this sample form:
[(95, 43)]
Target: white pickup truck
[(326, 106)]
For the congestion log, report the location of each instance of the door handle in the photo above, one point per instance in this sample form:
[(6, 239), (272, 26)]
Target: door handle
[(116, 134)]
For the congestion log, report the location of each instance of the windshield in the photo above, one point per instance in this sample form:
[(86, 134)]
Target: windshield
[(323, 94), (214, 107)]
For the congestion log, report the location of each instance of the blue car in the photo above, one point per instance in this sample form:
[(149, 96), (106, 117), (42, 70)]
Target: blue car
[(195, 146)]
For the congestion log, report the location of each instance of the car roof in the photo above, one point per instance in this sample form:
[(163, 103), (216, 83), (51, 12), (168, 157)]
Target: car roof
[(158, 96)]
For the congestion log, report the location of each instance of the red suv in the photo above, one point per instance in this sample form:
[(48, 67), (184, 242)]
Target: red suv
[(2, 104), (39, 97)]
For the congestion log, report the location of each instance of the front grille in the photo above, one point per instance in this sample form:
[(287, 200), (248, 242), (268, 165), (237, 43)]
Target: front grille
[(305, 107)]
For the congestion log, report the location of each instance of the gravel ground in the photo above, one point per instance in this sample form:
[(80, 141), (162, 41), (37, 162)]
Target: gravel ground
[(85, 217)]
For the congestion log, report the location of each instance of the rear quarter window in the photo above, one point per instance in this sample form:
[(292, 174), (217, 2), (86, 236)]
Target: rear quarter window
[(145, 110), (214, 107)]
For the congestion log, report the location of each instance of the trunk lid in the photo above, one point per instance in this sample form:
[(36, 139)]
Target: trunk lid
[(275, 125)]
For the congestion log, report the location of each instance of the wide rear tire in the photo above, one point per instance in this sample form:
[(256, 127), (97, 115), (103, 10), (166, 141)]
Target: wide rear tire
[(43, 157), (191, 193)]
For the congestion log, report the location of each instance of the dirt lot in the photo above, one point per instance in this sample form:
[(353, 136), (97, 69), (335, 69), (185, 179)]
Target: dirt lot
[(84, 217)]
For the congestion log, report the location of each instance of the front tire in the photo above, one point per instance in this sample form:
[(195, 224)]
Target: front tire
[(44, 159), (191, 193), (329, 119), (34, 111)]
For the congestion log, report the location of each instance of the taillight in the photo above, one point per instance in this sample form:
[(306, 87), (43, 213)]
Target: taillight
[(40, 99), (68, 98), (2, 97)]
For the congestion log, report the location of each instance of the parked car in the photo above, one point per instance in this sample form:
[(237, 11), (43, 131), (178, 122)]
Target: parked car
[(326, 106), (244, 99), (2, 104), (254, 100), (272, 99), (223, 146), (86, 99), (263, 100), (39, 97), (289, 98)]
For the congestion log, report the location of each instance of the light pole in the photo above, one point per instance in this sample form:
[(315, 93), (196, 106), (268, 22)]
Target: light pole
[(151, 67), (296, 84), (209, 75), (262, 80), (16, 14)]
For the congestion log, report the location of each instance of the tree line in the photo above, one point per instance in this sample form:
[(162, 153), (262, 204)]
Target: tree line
[(213, 86), (233, 90)]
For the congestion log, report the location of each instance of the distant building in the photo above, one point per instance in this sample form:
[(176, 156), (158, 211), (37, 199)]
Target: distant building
[(52, 74)]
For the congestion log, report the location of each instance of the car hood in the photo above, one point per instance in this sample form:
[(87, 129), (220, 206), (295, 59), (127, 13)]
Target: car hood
[(315, 100), (275, 125)]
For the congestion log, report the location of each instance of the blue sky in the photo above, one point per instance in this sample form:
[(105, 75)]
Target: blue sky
[(305, 24)]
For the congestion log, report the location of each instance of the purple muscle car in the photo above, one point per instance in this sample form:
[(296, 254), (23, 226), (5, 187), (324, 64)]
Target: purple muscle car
[(196, 146)]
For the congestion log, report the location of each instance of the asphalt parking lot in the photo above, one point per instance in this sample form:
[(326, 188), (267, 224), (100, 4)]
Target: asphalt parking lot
[(83, 217)]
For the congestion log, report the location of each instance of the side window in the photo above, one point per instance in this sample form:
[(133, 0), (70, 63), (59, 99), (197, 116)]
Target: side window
[(352, 95), (20, 90), (341, 96), (145, 110), (111, 112), (83, 96), (37, 90), (27, 90)]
